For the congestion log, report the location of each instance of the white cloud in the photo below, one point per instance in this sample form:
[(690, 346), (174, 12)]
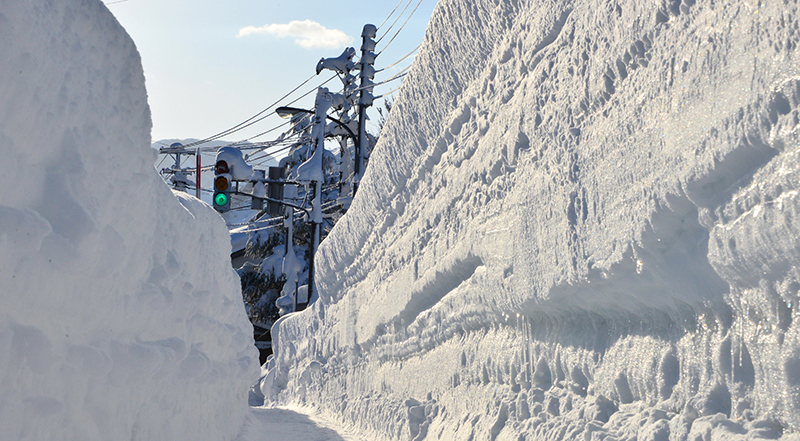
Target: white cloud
[(309, 34)]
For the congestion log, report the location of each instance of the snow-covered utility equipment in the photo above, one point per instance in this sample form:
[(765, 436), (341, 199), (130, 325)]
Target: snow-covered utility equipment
[(365, 98)]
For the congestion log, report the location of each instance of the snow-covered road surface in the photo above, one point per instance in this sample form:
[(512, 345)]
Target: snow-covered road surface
[(292, 424)]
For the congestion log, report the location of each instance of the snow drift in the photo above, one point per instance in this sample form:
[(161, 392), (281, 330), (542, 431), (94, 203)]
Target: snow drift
[(120, 317), (581, 220)]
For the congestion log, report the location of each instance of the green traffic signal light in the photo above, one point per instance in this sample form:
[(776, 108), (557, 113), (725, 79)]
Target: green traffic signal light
[(221, 199)]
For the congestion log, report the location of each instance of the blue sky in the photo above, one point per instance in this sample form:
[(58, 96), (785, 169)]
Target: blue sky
[(211, 64)]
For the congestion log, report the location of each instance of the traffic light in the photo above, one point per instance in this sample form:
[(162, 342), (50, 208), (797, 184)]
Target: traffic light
[(222, 186)]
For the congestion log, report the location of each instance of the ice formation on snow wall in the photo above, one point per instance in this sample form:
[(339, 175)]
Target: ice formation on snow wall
[(120, 317), (581, 217)]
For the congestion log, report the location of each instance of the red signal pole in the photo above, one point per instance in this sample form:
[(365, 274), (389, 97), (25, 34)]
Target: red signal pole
[(199, 166)]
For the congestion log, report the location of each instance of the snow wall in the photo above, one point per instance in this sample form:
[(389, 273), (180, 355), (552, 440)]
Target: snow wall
[(580, 222), (120, 316)]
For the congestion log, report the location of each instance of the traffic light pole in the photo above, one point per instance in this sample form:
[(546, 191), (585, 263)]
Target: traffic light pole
[(197, 173)]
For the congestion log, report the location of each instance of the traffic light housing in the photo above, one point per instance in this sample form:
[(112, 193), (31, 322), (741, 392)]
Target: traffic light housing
[(222, 186)]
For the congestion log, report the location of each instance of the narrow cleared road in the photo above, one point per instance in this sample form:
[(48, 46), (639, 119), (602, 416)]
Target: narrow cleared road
[(281, 424)]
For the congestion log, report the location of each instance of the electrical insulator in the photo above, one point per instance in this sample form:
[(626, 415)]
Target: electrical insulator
[(368, 72)]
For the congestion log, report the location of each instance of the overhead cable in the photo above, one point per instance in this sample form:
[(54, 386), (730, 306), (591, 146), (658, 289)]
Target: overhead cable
[(162, 161), (267, 145), (267, 154), (389, 16), (296, 100), (398, 61), (245, 123), (259, 135), (252, 122), (395, 21), (313, 90), (401, 27), (389, 93), (399, 75)]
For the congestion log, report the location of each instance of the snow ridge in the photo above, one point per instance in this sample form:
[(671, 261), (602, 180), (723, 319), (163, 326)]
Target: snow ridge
[(120, 317), (579, 221)]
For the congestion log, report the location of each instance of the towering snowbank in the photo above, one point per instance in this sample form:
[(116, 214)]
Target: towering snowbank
[(120, 317), (581, 221)]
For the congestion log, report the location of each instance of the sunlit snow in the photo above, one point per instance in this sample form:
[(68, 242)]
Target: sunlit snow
[(120, 315), (580, 222)]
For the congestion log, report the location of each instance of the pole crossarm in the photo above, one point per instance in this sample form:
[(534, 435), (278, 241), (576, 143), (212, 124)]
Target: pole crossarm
[(176, 150)]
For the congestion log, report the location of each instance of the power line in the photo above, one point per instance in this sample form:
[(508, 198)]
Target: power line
[(242, 127), (255, 118), (390, 14), (395, 21), (272, 154), (162, 161), (287, 122), (285, 148), (401, 27), (277, 142), (245, 124), (398, 61), (266, 154), (399, 75), (208, 149), (313, 90), (390, 92), (234, 144)]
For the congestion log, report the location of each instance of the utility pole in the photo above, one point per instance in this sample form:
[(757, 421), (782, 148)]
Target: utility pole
[(365, 98), (275, 190), (291, 267), (311, 171), (315, 233), (178, 177), (343, 65)]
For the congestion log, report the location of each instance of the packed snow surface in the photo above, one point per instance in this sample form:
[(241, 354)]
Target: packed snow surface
[(294, 424), (580, 222), (120, 316)]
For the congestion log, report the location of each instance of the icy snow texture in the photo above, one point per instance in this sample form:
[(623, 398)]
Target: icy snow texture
[(120, 317), (581, 222)]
